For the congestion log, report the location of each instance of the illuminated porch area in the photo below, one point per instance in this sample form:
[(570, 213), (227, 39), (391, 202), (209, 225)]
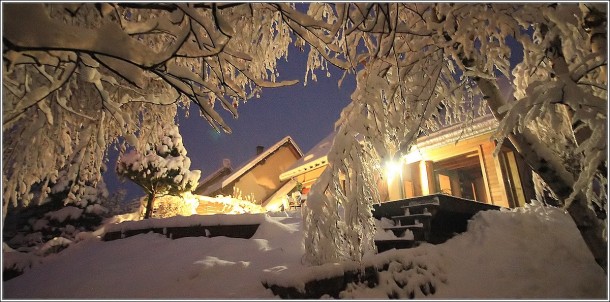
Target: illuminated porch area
[(430, 193), (460, 162)]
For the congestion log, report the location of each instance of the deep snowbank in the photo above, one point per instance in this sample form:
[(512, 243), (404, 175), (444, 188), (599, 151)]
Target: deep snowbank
[(529, 253), (535, 252), (152, 266)]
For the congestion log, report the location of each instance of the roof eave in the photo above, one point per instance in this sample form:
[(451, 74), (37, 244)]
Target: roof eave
[(254, 162)]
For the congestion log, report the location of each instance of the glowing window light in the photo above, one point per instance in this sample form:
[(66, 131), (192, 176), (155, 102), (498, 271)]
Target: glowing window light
[(392, 169), (412, 157)]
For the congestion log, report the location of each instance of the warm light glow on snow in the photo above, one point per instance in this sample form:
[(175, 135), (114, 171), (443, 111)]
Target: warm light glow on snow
[(230, 205), (191, 201)]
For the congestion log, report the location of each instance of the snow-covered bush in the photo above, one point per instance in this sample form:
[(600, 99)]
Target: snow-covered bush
[(239, 195), (161, 169), (229, 204), (60, 218), (169, 206)]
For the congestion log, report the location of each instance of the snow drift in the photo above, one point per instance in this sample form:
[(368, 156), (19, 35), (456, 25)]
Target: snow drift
[(533, 252)]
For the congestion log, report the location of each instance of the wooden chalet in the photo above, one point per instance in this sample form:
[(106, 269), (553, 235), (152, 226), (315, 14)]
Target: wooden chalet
[(448, 176), (256, 180), (457, 161)]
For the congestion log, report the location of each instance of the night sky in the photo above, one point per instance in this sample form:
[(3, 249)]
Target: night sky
[(306, 113)]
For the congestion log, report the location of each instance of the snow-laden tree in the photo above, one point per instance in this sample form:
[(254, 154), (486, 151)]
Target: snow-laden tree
[(162, 169), (417, 64), (77, 76), (64, 213), (428, 63)]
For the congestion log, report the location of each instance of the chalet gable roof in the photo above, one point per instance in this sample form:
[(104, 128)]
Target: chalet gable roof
[(458, 131), (316, 157), (217, 180), (260, 158), (213, 181)]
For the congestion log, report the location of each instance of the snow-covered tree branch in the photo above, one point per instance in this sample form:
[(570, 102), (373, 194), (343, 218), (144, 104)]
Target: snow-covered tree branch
[(78, 76)]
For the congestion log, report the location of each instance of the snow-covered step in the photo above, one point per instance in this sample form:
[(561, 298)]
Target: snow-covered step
[(422, 203), (419, 209), (440, 216), (417, 229), (405, 227), (388, 244), (421, 215), (412, 219)]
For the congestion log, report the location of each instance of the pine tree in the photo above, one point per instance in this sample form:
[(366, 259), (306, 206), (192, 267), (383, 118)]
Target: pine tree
[(60, 215), (161, 169)]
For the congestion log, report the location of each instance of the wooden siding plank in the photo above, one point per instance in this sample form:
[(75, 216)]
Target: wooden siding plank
[(496, 187), (484, 172)]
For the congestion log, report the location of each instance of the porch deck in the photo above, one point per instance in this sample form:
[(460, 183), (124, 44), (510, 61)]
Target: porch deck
[(442, 216)]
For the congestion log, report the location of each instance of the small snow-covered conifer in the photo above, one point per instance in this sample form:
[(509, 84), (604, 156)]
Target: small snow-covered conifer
[(161, 169), (68, 209)]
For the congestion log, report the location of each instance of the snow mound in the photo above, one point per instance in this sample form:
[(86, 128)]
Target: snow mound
[(530, 252), (524, 253), (185, 268), (402, 274)]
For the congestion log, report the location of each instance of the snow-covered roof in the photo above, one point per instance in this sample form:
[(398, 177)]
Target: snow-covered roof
[(477, 126), (316, 157), (281, 192), (213, 181), (259, 158), (226, 165)]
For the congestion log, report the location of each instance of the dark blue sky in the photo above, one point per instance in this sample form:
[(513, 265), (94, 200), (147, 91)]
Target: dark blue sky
[(306, 113)]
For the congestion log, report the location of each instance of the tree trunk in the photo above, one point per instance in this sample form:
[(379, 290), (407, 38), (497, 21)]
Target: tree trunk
[(590, 227), (4, 210), (553, 172), (149, 205)]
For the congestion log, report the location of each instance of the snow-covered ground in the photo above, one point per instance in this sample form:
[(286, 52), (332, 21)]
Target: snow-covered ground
[(527, 253)]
